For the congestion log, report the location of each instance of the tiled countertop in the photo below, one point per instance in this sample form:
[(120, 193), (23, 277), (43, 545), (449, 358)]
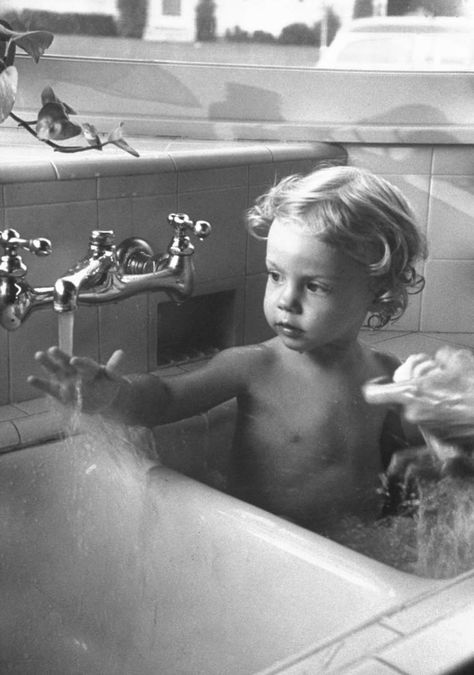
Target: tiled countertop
[(430, 635), (25, 159)]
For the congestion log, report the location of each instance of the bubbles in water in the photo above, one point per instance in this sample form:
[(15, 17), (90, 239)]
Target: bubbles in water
[(445, 528), (436, 542)]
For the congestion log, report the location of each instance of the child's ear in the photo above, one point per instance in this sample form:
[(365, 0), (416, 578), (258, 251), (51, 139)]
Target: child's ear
[(377, 292)]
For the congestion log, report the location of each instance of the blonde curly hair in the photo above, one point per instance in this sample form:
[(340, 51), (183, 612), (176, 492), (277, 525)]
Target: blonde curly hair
[(366, 216)]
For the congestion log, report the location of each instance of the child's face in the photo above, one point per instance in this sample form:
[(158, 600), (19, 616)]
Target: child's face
[(316, 295)]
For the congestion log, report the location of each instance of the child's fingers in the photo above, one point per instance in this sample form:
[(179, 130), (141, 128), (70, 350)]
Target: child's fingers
[(388, 393), (87, 368), (112, 365), (65, 393), (43, 385), (55, 361), (412, 367)]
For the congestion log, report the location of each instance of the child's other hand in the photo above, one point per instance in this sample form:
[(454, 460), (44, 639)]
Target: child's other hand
[(78, 381), (436, 393), (408, 470)]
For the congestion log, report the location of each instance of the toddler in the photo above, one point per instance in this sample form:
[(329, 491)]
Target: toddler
[(341, 245)]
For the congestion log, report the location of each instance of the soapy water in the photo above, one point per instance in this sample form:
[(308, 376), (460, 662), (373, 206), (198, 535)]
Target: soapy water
[(437, 393), (435, 541)]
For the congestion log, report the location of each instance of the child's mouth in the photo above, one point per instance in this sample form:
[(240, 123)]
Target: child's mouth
[(288, 329)]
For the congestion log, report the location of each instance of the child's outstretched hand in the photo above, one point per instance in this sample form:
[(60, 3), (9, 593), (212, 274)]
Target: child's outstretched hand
[(78, 381)]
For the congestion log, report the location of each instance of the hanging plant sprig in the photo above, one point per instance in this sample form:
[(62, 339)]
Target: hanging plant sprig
[(33, 43), (53, 122)]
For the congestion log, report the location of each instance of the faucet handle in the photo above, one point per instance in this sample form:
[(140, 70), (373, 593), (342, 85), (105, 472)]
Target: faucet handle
[(11, 264), (11, 242), (182, 223)]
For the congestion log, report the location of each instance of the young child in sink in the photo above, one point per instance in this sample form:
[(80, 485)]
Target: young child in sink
[(341, 243)]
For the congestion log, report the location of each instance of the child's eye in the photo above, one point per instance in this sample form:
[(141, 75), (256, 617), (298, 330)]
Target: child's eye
[(316, 287), (274, 276)]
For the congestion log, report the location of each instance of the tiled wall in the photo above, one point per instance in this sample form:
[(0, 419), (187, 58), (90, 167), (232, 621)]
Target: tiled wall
[(439, 181)]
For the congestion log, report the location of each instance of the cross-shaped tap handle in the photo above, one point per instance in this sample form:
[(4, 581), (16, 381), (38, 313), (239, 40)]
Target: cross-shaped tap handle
[(11, 242), (182, 223)]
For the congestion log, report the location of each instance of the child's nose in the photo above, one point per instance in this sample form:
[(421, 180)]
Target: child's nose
[(288, 300)]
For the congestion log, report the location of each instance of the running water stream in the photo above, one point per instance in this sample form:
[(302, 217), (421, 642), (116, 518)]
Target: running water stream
[(66, 331)]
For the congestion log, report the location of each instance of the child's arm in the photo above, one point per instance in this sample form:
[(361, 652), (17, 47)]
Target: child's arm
[(147, 400)]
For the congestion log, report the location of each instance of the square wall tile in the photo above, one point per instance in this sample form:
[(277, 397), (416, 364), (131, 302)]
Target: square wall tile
[(256, 328), (451, 227), (67, 225), (136, 185), (335, 657), (437, 649), (393, 159), (39, 332), (262, 175), (410, 320), (410, 343), (453, 160), (223, 253), (50, 192), (123, 325), (448, 297), (256, 248), (256, 252), (4, 369), (213, 178), (416, 189), (292, 167), (150, 219), (116, 215), (431, 608)]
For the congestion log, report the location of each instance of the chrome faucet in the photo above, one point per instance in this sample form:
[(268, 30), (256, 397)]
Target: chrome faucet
[(17, 298), (109, 273)]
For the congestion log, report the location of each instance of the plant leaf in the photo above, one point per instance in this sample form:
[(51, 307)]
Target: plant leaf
[(8, 87), (116, 137), (34, 43)]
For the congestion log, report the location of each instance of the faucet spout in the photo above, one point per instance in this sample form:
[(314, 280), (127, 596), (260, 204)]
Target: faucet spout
[(92, 273)]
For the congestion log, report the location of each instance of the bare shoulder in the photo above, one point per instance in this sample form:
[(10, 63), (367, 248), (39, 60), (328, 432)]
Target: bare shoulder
[(245, 361)]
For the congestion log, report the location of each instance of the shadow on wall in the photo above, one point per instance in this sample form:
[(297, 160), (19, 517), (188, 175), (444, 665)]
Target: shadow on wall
[(423, 117), (255, 105)]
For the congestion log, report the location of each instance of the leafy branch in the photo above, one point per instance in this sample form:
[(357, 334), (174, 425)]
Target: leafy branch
[(53, 122)]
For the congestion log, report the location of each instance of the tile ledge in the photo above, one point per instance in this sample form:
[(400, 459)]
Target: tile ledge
[(26, 161)]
